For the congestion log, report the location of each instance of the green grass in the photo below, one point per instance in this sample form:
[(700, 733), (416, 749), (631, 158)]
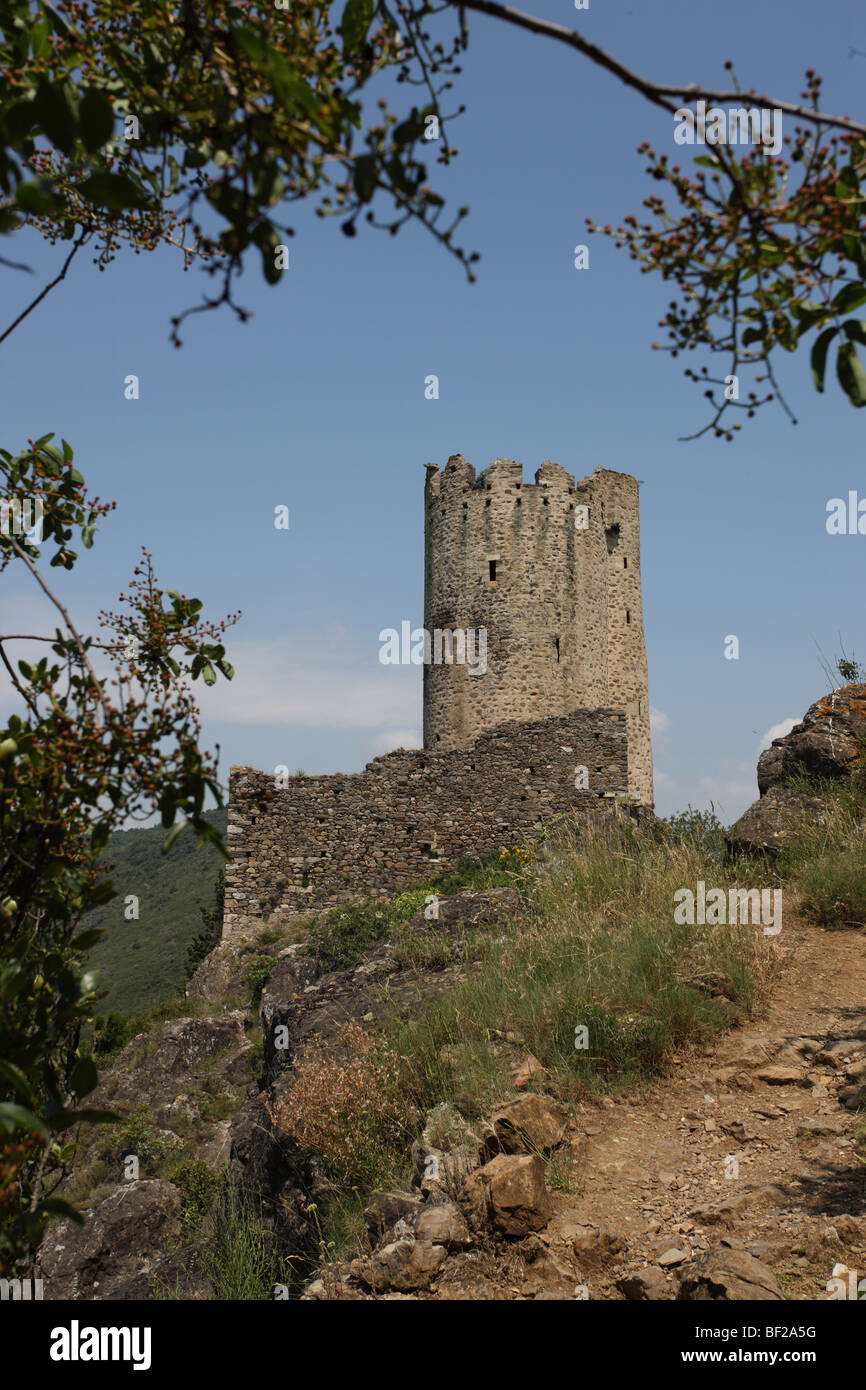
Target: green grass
[(141, 963), (596, 947)]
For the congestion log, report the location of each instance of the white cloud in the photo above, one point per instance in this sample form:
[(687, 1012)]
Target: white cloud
[(325, 682), (730, 792), (659, 721), (389, 739), (777, 731)]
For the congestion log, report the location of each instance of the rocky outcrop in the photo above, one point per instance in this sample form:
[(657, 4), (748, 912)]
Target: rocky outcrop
[(122, 1242), (827, 743)]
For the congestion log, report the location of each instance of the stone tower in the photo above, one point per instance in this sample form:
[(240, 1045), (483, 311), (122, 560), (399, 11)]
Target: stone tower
[(551, 571)]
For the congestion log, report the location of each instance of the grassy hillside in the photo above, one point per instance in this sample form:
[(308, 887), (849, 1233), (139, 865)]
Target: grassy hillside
[(141, 963)]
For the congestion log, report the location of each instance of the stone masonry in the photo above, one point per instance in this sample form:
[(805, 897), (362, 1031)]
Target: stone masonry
[(411, 814), (551, 572)]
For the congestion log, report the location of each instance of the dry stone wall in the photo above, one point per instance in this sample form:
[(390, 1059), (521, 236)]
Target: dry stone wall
[(412, 814)]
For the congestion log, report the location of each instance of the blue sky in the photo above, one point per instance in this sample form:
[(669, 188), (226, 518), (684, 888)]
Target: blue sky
[(318, 403)]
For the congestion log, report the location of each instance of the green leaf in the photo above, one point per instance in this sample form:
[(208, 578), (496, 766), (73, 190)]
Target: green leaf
[(96, 118), (855, 329), (37, 198), (851, 374), (18, 1080), (707, 159), (355, 22), (61, 1207), (172, 835), (818, 356), (14, 1117), (849, 297), (56, 109), (208, 674), (266, 238), (87, 939), (173, 174), (227, 669), (364, 177), (85, 1077), (19, 120), (113, 191)]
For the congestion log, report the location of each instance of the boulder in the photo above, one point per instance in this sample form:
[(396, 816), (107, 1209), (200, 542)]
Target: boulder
[(122, 1239), (385, 1209), (773, 818), (596, 1246), (529, 1124), (517, 1200), (723, 1273), (405, 1264), (824, 744), (442, 1224), (646, 1286)]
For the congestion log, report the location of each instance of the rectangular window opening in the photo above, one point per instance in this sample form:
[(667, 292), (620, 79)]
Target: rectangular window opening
[(492, 565), (627, 616)]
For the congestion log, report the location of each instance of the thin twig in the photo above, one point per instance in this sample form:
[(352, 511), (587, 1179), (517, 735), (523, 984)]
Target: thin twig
[(50, 286), (82, 650)]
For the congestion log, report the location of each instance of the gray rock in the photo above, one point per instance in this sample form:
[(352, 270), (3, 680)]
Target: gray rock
[(723, 1273)]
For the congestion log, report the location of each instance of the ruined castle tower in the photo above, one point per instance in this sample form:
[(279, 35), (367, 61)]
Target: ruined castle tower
[(551, 571)]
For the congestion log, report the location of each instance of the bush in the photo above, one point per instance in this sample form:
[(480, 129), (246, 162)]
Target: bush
[(112, 1033), (199, 1185), (351, 1110), (138, 1136), (341, 937), (212, 924), (257, 975)]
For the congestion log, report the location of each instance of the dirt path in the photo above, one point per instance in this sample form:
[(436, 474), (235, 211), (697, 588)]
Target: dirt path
[(748, 1144)]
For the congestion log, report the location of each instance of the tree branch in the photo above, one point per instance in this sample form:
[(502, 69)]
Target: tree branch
[(82, 650), (50, 286), (657, 92)]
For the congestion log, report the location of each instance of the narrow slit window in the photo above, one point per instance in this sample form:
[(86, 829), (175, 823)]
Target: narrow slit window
[(557, 648), (492, 566), (627, 616)]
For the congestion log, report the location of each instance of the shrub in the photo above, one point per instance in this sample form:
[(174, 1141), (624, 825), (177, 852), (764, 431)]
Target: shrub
[(199, 1185), (139, 1136), (350, 1108), (340, 938), (112, 1033), (257, 975), (211, 930)]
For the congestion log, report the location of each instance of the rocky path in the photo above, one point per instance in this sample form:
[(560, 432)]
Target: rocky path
[(748, 1148)]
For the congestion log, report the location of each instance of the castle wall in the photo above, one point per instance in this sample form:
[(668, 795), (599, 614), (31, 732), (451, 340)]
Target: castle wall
[(412, 814), (560, 602)]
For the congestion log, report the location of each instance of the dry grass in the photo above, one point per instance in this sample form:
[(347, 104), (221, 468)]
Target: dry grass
[(349, 1107)]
